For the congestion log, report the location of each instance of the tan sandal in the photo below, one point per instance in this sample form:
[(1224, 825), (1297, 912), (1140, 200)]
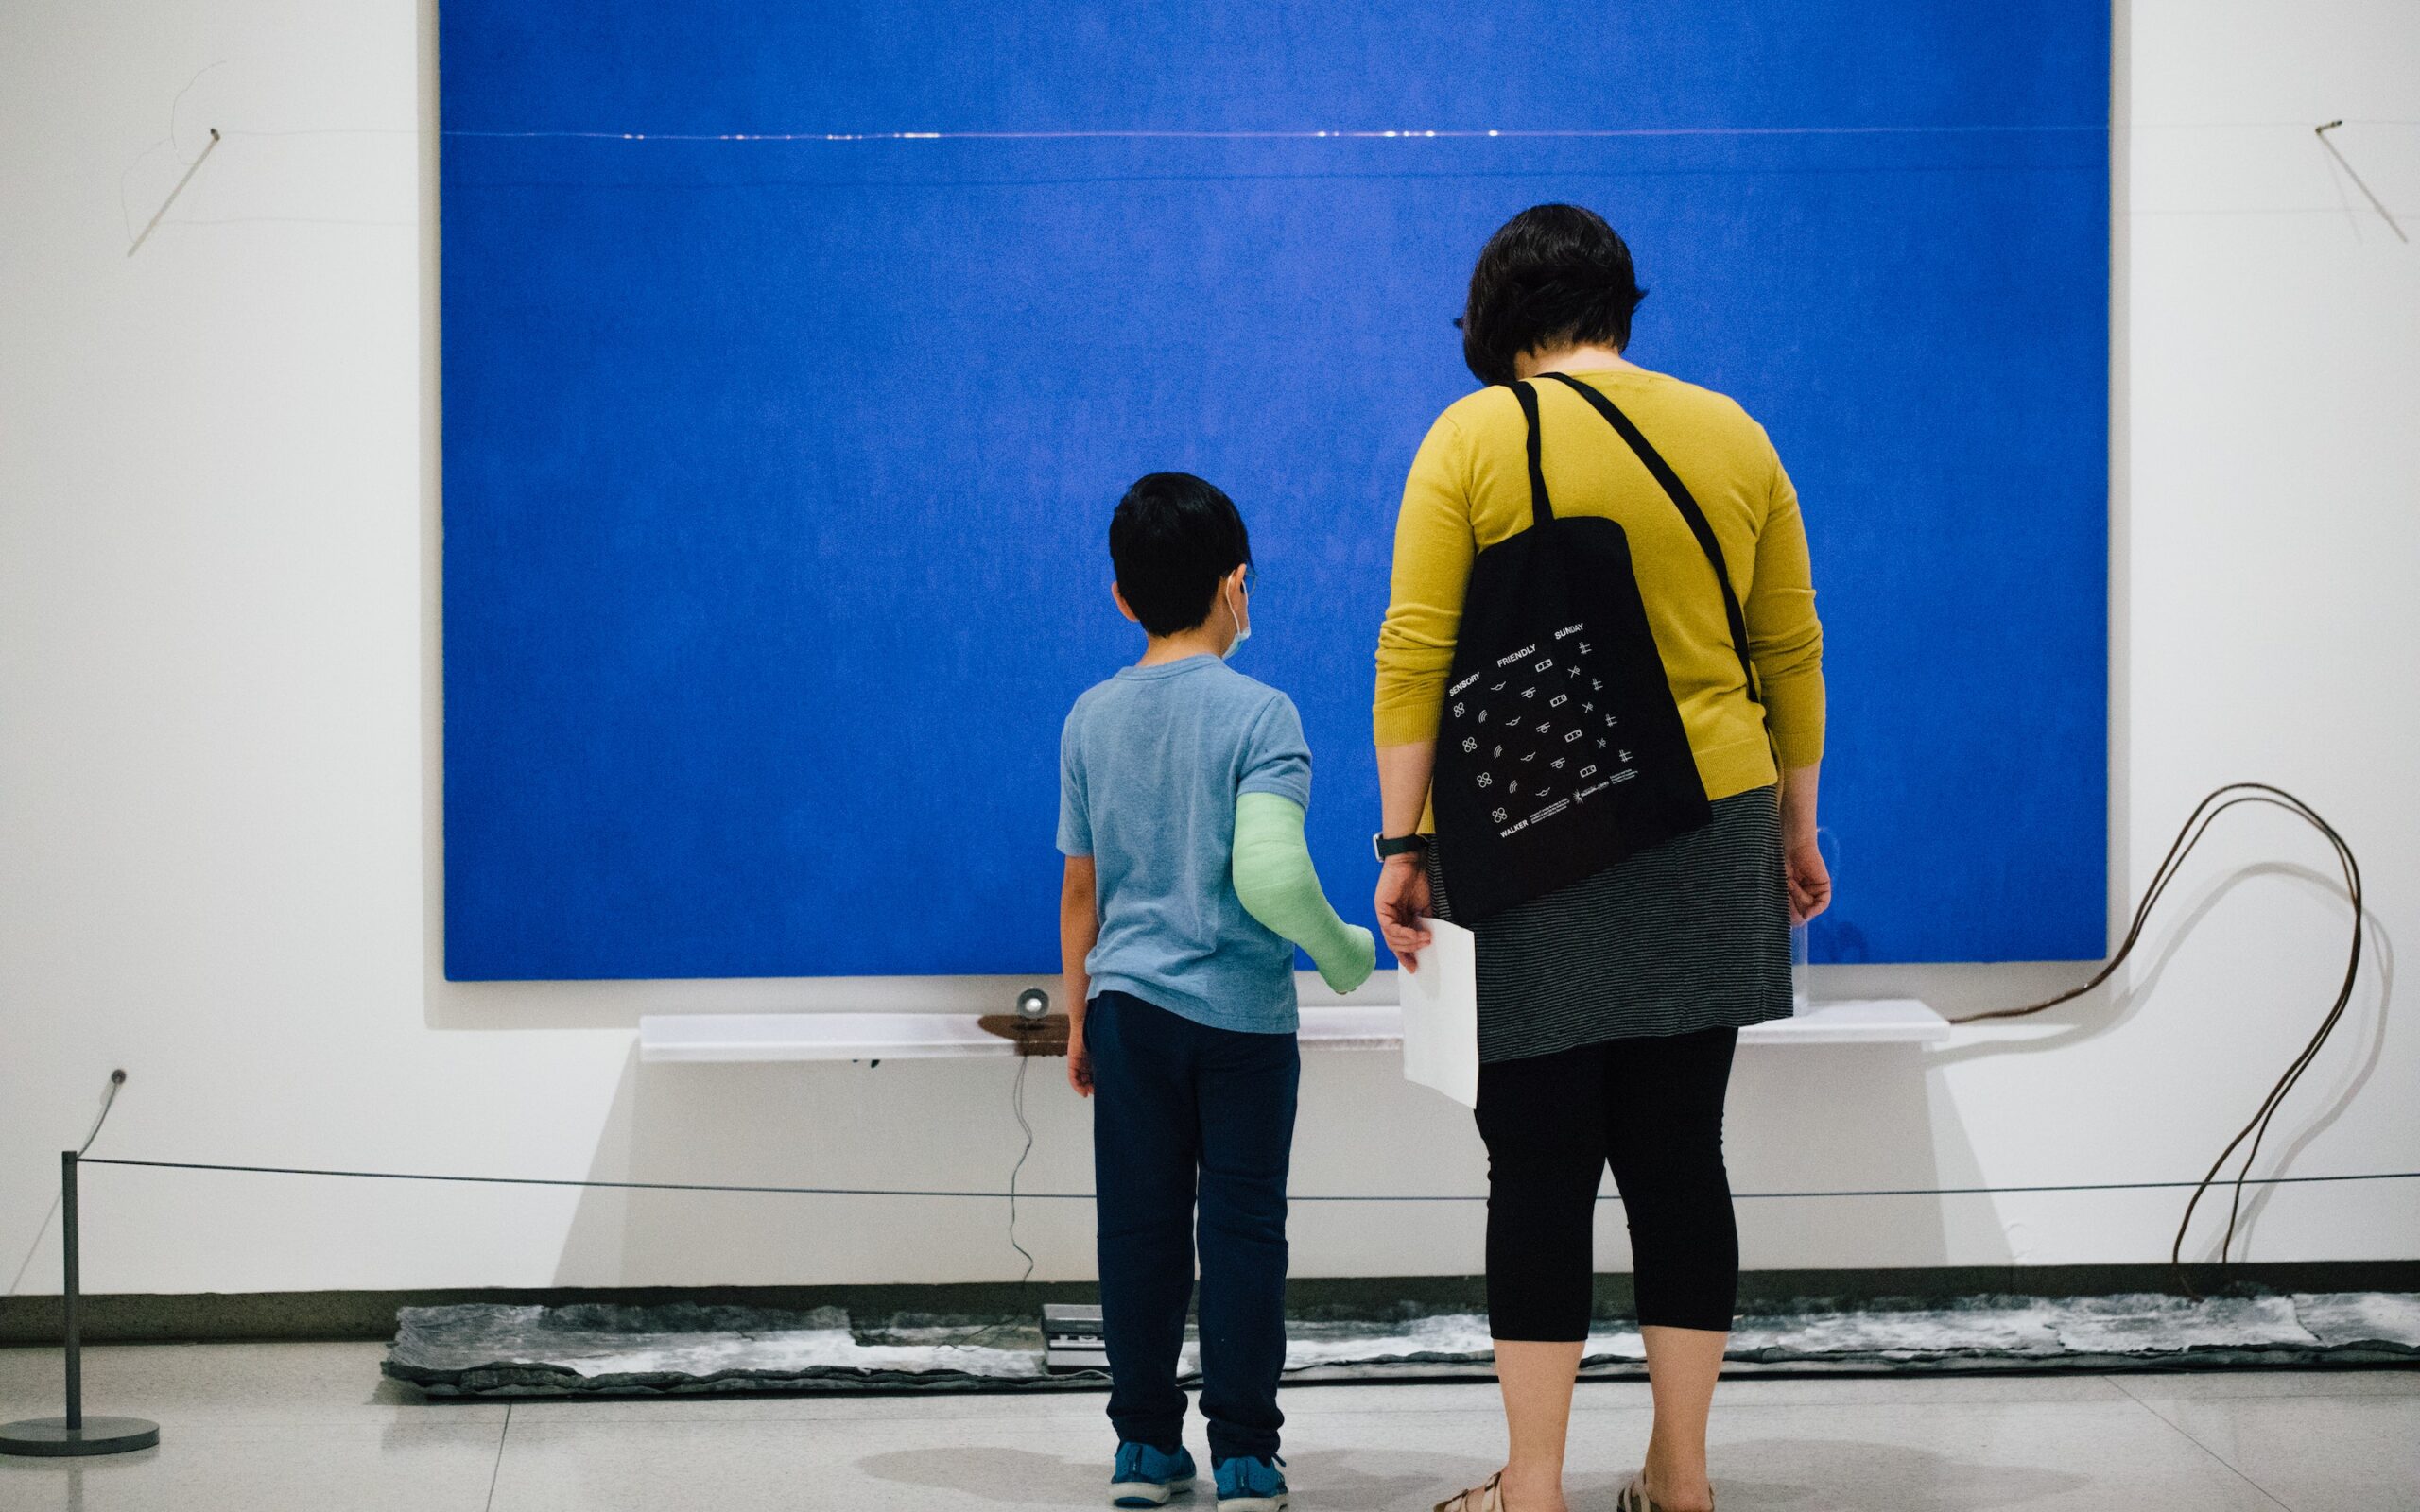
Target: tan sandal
[(1487, 1498), (1634, 1497)]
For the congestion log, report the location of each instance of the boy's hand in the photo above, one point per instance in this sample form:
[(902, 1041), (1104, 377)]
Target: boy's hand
[(1079, 1063), (1402, 901)]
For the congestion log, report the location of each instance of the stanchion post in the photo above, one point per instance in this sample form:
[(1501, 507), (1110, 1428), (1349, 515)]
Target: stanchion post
[(73, 1434), (71, 1290)]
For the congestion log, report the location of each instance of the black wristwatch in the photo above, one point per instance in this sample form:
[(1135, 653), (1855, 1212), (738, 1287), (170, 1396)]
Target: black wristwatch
[(1400, 846)]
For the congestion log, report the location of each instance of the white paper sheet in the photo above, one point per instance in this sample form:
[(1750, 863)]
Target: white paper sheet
[(1441, 1014)]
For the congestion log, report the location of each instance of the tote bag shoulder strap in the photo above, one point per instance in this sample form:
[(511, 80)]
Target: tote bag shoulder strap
[(1673, 488), (1541, 508)]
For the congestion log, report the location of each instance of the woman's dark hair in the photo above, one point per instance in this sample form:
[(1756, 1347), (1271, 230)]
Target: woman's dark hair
[(1552, 276), (1171, 539)]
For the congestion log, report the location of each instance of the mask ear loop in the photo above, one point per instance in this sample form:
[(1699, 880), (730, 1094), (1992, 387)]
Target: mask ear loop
[(1235, 610)]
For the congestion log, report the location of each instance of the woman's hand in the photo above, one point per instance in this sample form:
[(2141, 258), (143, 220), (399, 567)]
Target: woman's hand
[(1403, 881), (1810, 881), (1402, 902)]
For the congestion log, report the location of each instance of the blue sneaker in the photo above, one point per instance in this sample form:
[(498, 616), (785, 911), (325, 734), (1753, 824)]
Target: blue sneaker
[(1145, 1476), (1247, 1483)]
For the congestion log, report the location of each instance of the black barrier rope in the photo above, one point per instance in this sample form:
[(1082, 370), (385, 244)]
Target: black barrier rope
[(2196, 827), (1087, 1196)]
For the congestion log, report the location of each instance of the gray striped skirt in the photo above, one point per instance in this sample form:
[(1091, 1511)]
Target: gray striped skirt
[(1689, 935)]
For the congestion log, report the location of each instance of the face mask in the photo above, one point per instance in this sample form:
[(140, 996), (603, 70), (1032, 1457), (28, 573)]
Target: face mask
[(1243, 630)]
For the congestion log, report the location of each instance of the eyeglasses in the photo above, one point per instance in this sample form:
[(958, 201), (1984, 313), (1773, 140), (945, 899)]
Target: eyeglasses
[(1252, 576)]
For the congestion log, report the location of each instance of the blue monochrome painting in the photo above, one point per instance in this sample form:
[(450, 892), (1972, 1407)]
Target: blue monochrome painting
[(794, 357)]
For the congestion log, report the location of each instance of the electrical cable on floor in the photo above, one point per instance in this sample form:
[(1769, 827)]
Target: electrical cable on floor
[(109, 1100), (2196, 826), (985, 1334), (1016, 1105)]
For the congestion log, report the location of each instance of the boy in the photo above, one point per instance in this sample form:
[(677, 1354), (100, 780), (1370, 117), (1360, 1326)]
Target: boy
[(1182, 790)]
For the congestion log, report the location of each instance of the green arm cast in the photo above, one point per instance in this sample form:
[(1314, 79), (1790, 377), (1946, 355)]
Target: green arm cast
[(1278, 886)]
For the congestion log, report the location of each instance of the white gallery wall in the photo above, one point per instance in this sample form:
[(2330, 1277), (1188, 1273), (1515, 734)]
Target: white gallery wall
[(219, 801)]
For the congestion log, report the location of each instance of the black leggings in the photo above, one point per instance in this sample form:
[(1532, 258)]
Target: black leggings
[(1652, 1108)]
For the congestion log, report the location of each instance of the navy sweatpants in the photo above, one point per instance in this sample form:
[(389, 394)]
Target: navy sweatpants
[(1188, 1117)]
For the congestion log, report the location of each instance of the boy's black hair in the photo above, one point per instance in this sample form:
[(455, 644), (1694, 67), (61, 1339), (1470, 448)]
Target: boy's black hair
[(1171, 539), (1552, 276)]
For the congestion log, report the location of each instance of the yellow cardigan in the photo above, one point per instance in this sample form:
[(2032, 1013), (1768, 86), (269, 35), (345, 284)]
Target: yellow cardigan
[(1469, 490)]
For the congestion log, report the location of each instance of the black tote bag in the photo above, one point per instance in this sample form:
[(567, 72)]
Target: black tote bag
[(1561, 750)]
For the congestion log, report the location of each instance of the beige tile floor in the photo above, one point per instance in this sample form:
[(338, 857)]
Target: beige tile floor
[(270, 1428)]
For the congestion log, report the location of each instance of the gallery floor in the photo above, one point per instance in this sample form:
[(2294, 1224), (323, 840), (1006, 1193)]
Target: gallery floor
[(312, 1426)]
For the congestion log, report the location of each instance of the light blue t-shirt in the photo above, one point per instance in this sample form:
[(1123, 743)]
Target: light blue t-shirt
[(1150, 765)]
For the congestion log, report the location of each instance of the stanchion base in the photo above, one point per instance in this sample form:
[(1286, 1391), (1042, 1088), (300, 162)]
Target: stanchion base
[(99, 1435)]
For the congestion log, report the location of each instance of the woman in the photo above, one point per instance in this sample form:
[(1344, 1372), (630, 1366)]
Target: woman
[(1609, 1007)]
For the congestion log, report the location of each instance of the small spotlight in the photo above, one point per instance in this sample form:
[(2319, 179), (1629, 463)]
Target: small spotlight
[(1032, 1003)]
